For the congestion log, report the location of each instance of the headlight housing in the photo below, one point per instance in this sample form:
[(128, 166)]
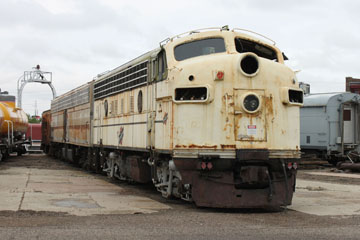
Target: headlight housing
[(249, 64), (251, 102)]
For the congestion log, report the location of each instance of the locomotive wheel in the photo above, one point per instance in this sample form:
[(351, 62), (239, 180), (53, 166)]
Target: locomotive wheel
[(6, 154), (46, 149), (107, 166), (333, 160)]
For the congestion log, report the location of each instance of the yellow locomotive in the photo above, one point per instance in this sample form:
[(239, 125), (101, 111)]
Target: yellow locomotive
[(212, 116), (13, 126)]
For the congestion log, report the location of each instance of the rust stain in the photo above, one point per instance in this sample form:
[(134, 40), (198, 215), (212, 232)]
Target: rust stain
[(269, 105), (180, 146), (247, 138), (251, 120), (228, 125), (196, 146), (230, 146), (79, 127), (202, 146), (46, 128)]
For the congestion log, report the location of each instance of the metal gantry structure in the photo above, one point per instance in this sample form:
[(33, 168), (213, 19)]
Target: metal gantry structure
[(36, 76)]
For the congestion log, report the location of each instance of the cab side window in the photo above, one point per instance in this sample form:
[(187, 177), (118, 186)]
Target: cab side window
[(153, 70), (162, 66)]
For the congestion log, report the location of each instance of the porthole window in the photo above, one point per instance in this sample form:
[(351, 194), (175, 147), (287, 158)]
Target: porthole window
[(140, 102)]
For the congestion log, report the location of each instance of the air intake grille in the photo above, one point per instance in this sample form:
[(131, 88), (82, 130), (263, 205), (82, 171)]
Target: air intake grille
[(71, 99), (129, 78)]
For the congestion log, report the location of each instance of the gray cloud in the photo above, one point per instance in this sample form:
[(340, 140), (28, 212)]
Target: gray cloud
[(92, 36), (90, 14)]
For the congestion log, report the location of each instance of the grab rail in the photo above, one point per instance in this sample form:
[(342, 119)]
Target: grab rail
[(10, 141), (224, 28), (258, 34)]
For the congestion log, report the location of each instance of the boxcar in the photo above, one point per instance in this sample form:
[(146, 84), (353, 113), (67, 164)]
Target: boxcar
[(46, 131)]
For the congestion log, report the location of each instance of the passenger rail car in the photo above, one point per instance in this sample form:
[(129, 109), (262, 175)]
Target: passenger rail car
[(329, 126), (212, 116)]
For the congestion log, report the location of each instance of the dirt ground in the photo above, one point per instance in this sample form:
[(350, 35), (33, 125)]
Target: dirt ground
[(180, 220)]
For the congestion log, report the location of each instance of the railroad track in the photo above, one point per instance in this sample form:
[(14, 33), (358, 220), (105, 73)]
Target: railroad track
[(313, 163)]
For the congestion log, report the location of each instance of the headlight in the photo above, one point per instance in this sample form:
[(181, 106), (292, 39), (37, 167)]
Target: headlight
[(251, 103)]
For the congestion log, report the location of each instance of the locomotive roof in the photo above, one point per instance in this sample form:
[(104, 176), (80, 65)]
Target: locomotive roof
[(72, 91), (74, 97), (215, 30), (70, 95), (323, 99), (186, 37)]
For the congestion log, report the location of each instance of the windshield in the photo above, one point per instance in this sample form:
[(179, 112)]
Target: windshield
[(260, 50), (199, 48)]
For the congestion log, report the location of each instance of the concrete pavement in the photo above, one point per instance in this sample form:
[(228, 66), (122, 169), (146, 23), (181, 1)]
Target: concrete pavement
[(45, 184), (322, 198), (69, 191)]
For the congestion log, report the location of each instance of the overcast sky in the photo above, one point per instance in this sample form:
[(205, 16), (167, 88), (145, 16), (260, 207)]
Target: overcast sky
[(77, 39)]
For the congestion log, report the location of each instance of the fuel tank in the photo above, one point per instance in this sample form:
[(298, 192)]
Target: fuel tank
[(9, 113)]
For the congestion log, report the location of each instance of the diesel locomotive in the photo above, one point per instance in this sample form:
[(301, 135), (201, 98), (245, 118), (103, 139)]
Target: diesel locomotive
[(211, 116)]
